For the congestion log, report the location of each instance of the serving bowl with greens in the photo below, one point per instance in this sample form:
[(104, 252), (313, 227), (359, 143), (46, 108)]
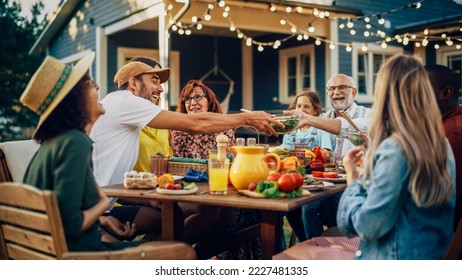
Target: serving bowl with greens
[(355, 138), (290, 122)]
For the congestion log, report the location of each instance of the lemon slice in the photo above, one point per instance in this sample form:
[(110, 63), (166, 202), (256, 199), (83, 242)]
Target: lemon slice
[(164, 180)]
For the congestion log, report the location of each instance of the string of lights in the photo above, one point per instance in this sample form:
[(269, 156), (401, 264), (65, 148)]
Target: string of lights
[(420, 39)]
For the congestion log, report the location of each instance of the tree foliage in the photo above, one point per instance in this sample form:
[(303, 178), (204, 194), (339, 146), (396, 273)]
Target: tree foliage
[(17, 66)]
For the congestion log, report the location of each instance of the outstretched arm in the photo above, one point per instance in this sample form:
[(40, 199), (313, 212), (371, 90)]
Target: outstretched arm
[(214, 122)]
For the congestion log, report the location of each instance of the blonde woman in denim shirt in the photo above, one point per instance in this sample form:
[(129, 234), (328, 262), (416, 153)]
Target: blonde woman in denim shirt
[(401, 203)]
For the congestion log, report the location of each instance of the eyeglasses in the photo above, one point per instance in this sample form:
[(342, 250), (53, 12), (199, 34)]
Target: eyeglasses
[(197, 98), (340, 87)]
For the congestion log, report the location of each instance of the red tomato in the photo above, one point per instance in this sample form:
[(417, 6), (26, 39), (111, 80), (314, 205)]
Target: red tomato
[(252, 186), (290, 181), (330, 174), (170, 186), (273, 177), (178, 187), (318, 174)]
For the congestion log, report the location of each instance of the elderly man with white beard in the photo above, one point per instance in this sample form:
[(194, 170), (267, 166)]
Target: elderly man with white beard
[(341, 92)]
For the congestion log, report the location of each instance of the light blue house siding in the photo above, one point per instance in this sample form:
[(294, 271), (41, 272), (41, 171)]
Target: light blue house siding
[(197, 52)]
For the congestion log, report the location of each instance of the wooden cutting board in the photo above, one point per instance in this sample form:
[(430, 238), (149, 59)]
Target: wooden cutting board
[(259, 195)]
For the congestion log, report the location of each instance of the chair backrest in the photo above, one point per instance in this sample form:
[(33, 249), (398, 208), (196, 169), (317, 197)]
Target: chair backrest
[(454, 251), (15, 157), (30, 223), (31, 229)]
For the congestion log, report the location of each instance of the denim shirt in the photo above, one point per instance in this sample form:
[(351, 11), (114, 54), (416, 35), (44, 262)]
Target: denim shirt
[(311, 136), (383, 214)]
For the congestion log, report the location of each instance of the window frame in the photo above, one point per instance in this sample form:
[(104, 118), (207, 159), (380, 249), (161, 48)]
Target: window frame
[(172, 87), (372, 49), (284, 56)]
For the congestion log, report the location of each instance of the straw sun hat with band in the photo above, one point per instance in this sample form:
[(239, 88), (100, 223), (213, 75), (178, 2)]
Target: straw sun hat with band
[(51, 83)]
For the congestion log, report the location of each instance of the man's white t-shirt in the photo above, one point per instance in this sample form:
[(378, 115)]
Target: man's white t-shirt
[(115, 135)]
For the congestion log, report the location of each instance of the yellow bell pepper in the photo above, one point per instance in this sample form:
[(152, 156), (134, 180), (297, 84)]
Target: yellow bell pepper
[(290, 163)]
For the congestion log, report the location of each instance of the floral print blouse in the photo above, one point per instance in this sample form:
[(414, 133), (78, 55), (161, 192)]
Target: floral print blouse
[(188, 145)]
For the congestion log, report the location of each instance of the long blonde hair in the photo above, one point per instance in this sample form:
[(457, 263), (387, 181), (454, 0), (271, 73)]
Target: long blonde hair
[(405, 109)]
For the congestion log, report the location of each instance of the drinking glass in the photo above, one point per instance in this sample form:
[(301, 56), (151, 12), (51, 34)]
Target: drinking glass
[(159, 165), (218, 176)]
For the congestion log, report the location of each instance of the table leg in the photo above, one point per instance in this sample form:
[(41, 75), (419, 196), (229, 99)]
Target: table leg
[(168, 216), (270, 233)]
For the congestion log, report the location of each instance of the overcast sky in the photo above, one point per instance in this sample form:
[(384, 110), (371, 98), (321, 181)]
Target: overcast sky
[(50, 5)]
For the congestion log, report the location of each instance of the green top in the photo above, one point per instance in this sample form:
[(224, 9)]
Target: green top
[(63, 164)]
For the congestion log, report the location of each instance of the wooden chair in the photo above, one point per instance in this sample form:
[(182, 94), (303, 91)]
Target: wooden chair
[(31, 228)]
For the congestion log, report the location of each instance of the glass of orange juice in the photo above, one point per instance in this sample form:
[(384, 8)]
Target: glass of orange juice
[(218, 176)]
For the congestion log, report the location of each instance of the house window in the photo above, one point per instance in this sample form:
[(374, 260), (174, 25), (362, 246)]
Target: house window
[(296, 71), (125, 54), (452, 58), (74, 58), (366, 65)]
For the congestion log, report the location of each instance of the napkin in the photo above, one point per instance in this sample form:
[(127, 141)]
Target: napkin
[(195, 176)]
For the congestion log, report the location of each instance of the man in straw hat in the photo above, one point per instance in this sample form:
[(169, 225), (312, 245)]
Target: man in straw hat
[(66, 98)]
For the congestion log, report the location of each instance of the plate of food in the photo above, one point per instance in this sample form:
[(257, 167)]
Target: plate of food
[(177, 192), (332, 177), (313, 184)]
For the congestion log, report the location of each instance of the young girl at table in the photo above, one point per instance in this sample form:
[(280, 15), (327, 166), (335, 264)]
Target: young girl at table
[(66, 98)]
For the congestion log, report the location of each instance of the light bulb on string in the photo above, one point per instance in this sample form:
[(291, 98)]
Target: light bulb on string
[(221, 4), (187, 32), (413, 36), (293, 29), (350, 24), (426, 31), (449, 42), (169, 7), (458, 47), (181, 31), (384, 45), (367, 19), (348, 48), (388, 39), (437, 46), (299, 37), (282, 21), (311, 28), (341, 25), (331, 46), (299, 9), (288, 9), (194, 19), (317, 42), (232, 27), (240, 35), (210, 6), (174, 27), (276, 44), (443, 35), (227, 8), (381, 20), (425, 42), (366, 33), (306, 37), (364, 48), (225, 14), (352, 32), (417, 44), (260, 48), (272, 8), (368, 26), (199, 26), (405, 40), (322, 14), (207, 17), (248, 42), (315, 12)]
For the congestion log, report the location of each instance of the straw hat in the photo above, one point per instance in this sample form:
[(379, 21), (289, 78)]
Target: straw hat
[(135, 68), (51, 83)]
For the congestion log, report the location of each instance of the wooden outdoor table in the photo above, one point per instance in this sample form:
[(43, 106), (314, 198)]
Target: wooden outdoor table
[(270, 209)]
